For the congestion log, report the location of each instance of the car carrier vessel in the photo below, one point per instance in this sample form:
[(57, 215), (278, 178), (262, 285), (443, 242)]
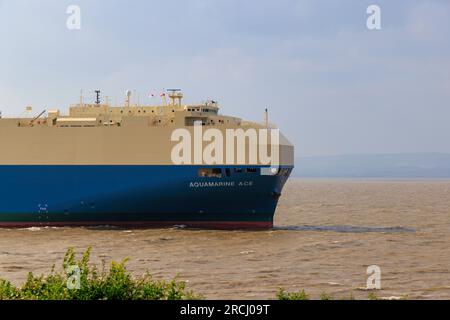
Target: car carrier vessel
[(103, 165)]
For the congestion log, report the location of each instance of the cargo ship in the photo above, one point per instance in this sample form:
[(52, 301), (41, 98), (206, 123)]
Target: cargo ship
[(123, 166)]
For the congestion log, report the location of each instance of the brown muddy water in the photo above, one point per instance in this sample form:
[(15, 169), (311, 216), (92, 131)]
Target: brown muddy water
[(327, 233)]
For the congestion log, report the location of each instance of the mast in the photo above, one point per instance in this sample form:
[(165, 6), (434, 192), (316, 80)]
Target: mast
[(128, 98), (81, 98)]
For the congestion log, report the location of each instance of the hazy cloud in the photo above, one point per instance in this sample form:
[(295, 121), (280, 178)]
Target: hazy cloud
[(331, 85)]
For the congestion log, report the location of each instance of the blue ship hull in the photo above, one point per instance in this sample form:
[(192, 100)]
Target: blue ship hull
[(138, 196)]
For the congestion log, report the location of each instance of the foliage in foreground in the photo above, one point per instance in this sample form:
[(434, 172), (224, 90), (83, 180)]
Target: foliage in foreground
[(283, 295), (115, 283), (301, 295)]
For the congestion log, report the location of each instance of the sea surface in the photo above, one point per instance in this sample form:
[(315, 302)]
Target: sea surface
[(326, 235)]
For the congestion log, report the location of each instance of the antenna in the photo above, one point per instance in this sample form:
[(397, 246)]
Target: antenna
[(97, 101), (81, 97), (266, 117)]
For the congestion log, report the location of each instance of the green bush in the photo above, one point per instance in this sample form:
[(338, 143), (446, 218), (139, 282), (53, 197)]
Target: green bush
[(114, 283), (372, 296), (301, 295), (325, 296)]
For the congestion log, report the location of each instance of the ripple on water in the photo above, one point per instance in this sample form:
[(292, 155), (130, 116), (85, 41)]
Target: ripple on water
[(347, 229)]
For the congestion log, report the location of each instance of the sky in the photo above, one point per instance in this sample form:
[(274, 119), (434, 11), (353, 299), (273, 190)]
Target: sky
[(331, 85)]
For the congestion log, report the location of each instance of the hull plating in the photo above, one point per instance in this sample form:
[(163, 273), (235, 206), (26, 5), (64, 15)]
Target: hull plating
[(137, 196)]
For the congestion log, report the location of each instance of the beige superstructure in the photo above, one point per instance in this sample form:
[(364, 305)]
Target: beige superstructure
[(101, 134)]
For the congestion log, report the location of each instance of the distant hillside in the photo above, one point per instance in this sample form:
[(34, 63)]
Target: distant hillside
[(413, 165)]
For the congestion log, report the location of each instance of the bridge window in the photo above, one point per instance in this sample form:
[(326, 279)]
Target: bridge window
[(252, 170)]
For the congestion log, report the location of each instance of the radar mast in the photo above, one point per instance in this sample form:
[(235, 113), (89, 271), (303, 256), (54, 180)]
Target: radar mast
[(174, 95)]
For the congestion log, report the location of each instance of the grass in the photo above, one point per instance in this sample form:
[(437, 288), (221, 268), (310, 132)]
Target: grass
[(372, 296), (302, 295), (325, 296), (90, 283), (283, 295)]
